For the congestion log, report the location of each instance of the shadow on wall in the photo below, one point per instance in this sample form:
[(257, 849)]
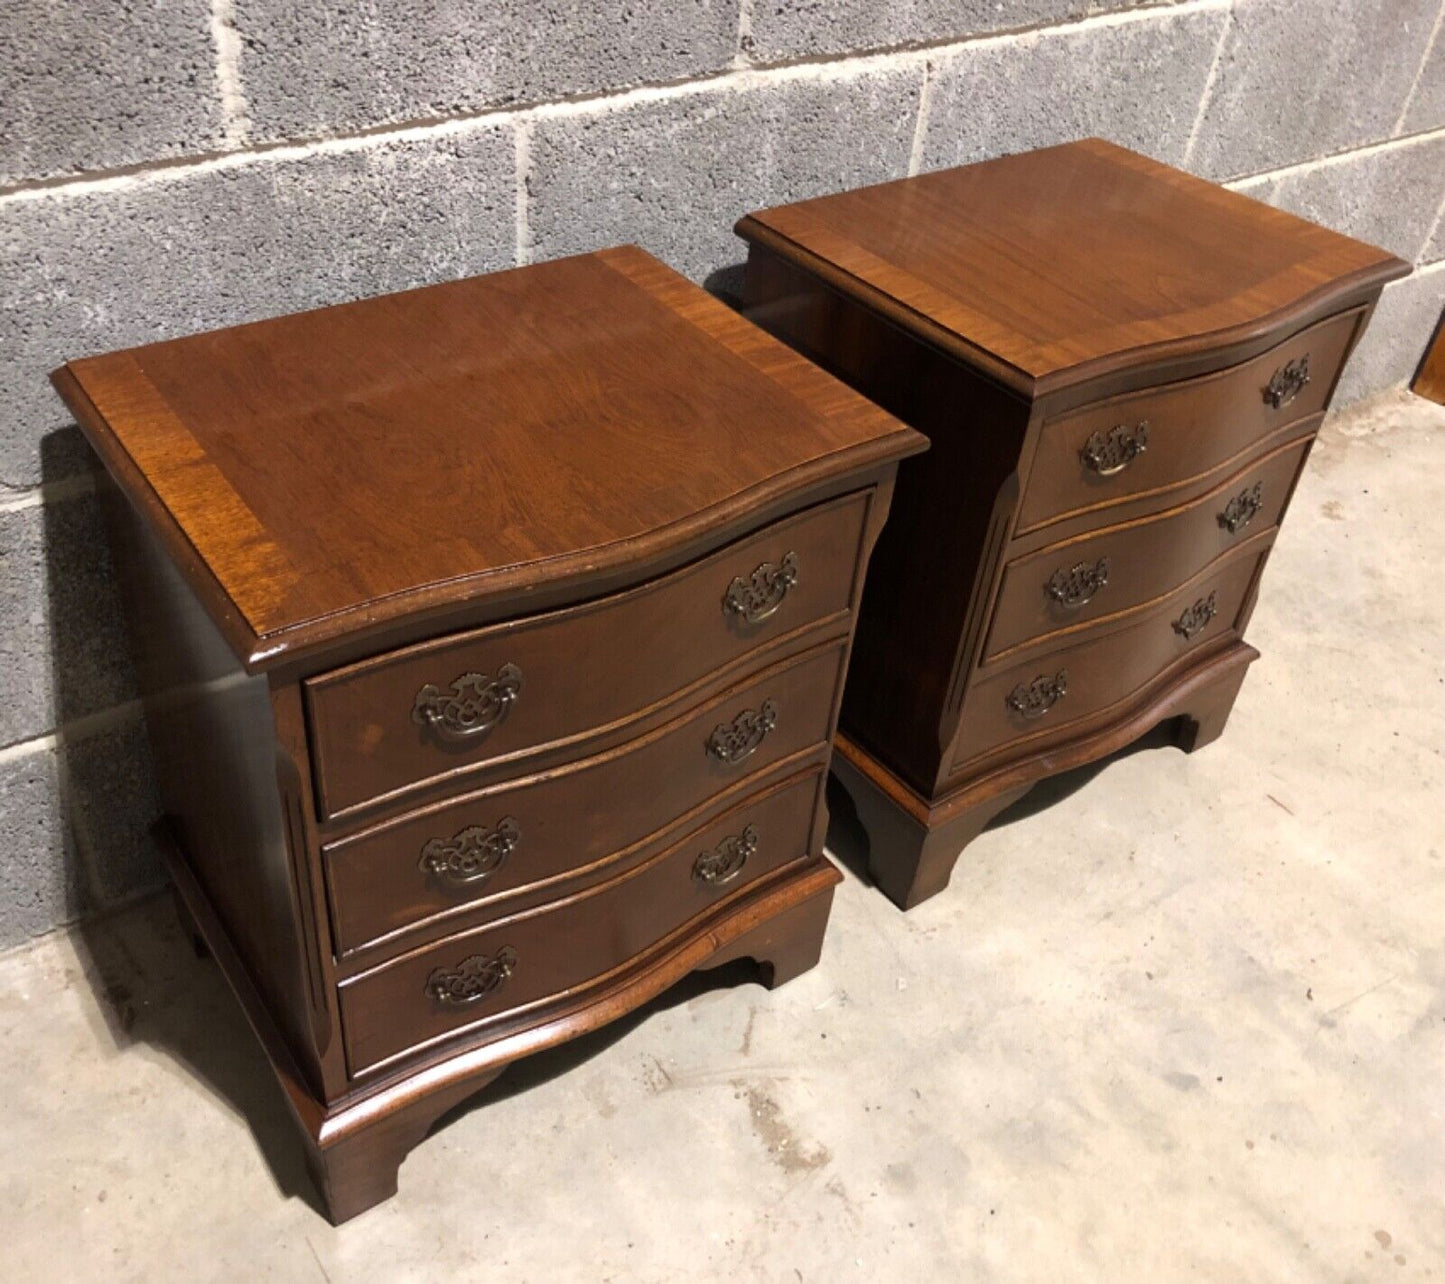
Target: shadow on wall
[(727, 284), (103, 770)]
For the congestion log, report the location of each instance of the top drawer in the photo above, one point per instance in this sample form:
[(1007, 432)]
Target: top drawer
[(510, 691), (1160, 438)]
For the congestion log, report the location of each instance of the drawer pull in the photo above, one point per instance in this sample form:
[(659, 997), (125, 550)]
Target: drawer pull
[(1078, 584), (1196, 617), (1287, 382), (473, 855), (473, 978), (1112, 452), (1242, 509), (758, 596), (733, 741), (725, 862), (474, 705), (1039, 696)]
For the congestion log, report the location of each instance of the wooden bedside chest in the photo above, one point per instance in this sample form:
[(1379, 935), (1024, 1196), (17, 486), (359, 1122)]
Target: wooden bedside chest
[(492, 637), (1121, 369)]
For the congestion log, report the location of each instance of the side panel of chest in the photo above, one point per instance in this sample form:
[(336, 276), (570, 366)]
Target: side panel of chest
[(926, 596)]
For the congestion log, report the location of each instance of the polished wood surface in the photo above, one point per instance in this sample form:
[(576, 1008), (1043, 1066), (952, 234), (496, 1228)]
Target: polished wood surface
[(1106, 665), (513, 607), (1194, 427), (386, 1011), (1142, 560), (1056, 265), (589, 673), (336, 468), (1429, 380), (1108, 357), (583, 815)]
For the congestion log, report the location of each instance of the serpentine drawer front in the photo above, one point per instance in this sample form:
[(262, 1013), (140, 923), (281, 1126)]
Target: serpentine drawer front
[(1120, 369), (429, 994), (512, 837), (1153, 441), (1023, 702), (497, 633), (1117, 569), (507, 693)]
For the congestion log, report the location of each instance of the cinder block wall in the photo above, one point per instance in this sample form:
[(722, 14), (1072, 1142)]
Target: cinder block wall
[(179, 164)]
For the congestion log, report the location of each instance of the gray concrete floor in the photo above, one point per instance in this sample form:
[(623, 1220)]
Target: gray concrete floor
[(1188, 1021)]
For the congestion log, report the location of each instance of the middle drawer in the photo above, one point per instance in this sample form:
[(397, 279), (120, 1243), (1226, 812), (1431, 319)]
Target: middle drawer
[(518, 837), (1121, 568), (509, 693), (554, 950)]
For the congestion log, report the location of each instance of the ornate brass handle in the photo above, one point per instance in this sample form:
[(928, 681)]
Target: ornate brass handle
[(725, 862), (1039, 696), (473, 855), (758, 596), (473, 978), (733, 741), (1112, 452), (1078, 584), (1287, 382), (472, 708), (1242, 509), (1196, 617)]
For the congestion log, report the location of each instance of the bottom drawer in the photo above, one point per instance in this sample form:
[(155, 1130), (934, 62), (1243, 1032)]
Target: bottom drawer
[(479, 976), (1045, 693)]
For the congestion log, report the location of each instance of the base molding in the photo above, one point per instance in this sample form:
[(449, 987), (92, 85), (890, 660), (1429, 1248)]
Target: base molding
[(915, 841), (355, 1145)]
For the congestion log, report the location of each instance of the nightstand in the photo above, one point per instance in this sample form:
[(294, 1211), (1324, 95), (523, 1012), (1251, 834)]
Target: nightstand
[(492, 638), (1121, 369)]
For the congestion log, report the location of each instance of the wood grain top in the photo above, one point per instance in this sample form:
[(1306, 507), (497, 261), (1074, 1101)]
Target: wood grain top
[(1058, 265), (318, 473)]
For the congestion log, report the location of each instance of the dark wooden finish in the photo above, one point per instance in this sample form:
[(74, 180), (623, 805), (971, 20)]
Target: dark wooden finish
[(587, 672), (387, 1011), (1144, 558), (1429, 380), (492, 639), (1195, 427), (579, 819), (1107, 356), (515, 435)]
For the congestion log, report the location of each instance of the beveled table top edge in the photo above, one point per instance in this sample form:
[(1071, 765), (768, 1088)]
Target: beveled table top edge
[(1232, 344), (540, 585), (1034, 367)]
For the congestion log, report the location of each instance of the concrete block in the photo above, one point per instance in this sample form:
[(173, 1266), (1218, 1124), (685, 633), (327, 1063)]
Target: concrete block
[(1387, 197), (317, 69), (63, 651), (673, 175), (149, 257), (1297, 81), (97, 86), (807, 28), (1138, 83), (110, 796), (1426, 106), (40, 879), (1434, 251), (1393, 345)]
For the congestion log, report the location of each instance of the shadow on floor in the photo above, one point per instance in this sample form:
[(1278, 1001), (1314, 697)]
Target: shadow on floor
[(153, 990), (848, 840)]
